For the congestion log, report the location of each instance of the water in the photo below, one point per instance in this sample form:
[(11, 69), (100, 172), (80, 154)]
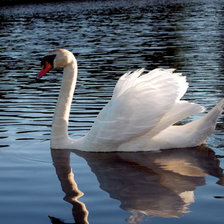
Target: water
[(108, 39)]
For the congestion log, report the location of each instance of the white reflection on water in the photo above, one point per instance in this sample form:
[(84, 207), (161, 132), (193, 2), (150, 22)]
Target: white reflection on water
[(146, 184)]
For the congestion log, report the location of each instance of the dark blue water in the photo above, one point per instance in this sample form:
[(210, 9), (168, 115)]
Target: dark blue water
[(38, 185)]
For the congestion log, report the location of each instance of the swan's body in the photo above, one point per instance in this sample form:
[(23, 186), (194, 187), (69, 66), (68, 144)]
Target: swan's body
[(140, 115)]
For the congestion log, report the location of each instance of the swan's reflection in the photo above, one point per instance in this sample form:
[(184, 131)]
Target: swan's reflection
[(147, 184), (61, 160)]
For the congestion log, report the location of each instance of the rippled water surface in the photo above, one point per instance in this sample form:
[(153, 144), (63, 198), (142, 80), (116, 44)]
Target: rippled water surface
[(38, 185)]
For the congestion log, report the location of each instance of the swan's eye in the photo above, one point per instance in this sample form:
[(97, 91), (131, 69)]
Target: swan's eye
[(49, 59)]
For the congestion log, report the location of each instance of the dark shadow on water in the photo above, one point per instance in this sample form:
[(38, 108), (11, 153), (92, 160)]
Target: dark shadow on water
[(146, 183), (58, 221), (17, 2)]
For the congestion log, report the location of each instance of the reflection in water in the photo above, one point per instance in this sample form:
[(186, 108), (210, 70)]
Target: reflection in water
[(146, 183), (61, 160)]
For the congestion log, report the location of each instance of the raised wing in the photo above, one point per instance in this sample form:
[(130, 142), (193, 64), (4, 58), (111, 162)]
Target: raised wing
[(141, 103)]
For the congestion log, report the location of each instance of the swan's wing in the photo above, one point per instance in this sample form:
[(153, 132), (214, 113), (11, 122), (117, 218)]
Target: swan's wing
[(139, 103)]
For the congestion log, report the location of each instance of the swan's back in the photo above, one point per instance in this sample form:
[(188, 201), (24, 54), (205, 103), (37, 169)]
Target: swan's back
[(142, 106)]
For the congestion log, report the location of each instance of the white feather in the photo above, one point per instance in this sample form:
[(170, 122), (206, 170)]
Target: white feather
[(141, 105)]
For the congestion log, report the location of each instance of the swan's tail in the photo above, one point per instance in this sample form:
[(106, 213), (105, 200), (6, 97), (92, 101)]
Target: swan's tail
[(205, 126)]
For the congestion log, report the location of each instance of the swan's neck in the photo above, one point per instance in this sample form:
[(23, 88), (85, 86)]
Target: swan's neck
[(62, 111)]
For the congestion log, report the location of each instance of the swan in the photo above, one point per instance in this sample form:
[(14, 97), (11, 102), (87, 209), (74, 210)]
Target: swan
[(140, 116)]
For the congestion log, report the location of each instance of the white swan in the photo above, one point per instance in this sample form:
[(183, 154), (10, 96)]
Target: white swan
[(140, 115)]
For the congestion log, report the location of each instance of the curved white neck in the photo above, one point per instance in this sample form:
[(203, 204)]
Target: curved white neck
[(61, 115)]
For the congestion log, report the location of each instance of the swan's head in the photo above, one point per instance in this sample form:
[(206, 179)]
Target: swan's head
[(55, 59)]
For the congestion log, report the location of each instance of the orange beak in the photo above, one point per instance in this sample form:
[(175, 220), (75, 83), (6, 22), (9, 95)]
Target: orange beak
[(45, 69)]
